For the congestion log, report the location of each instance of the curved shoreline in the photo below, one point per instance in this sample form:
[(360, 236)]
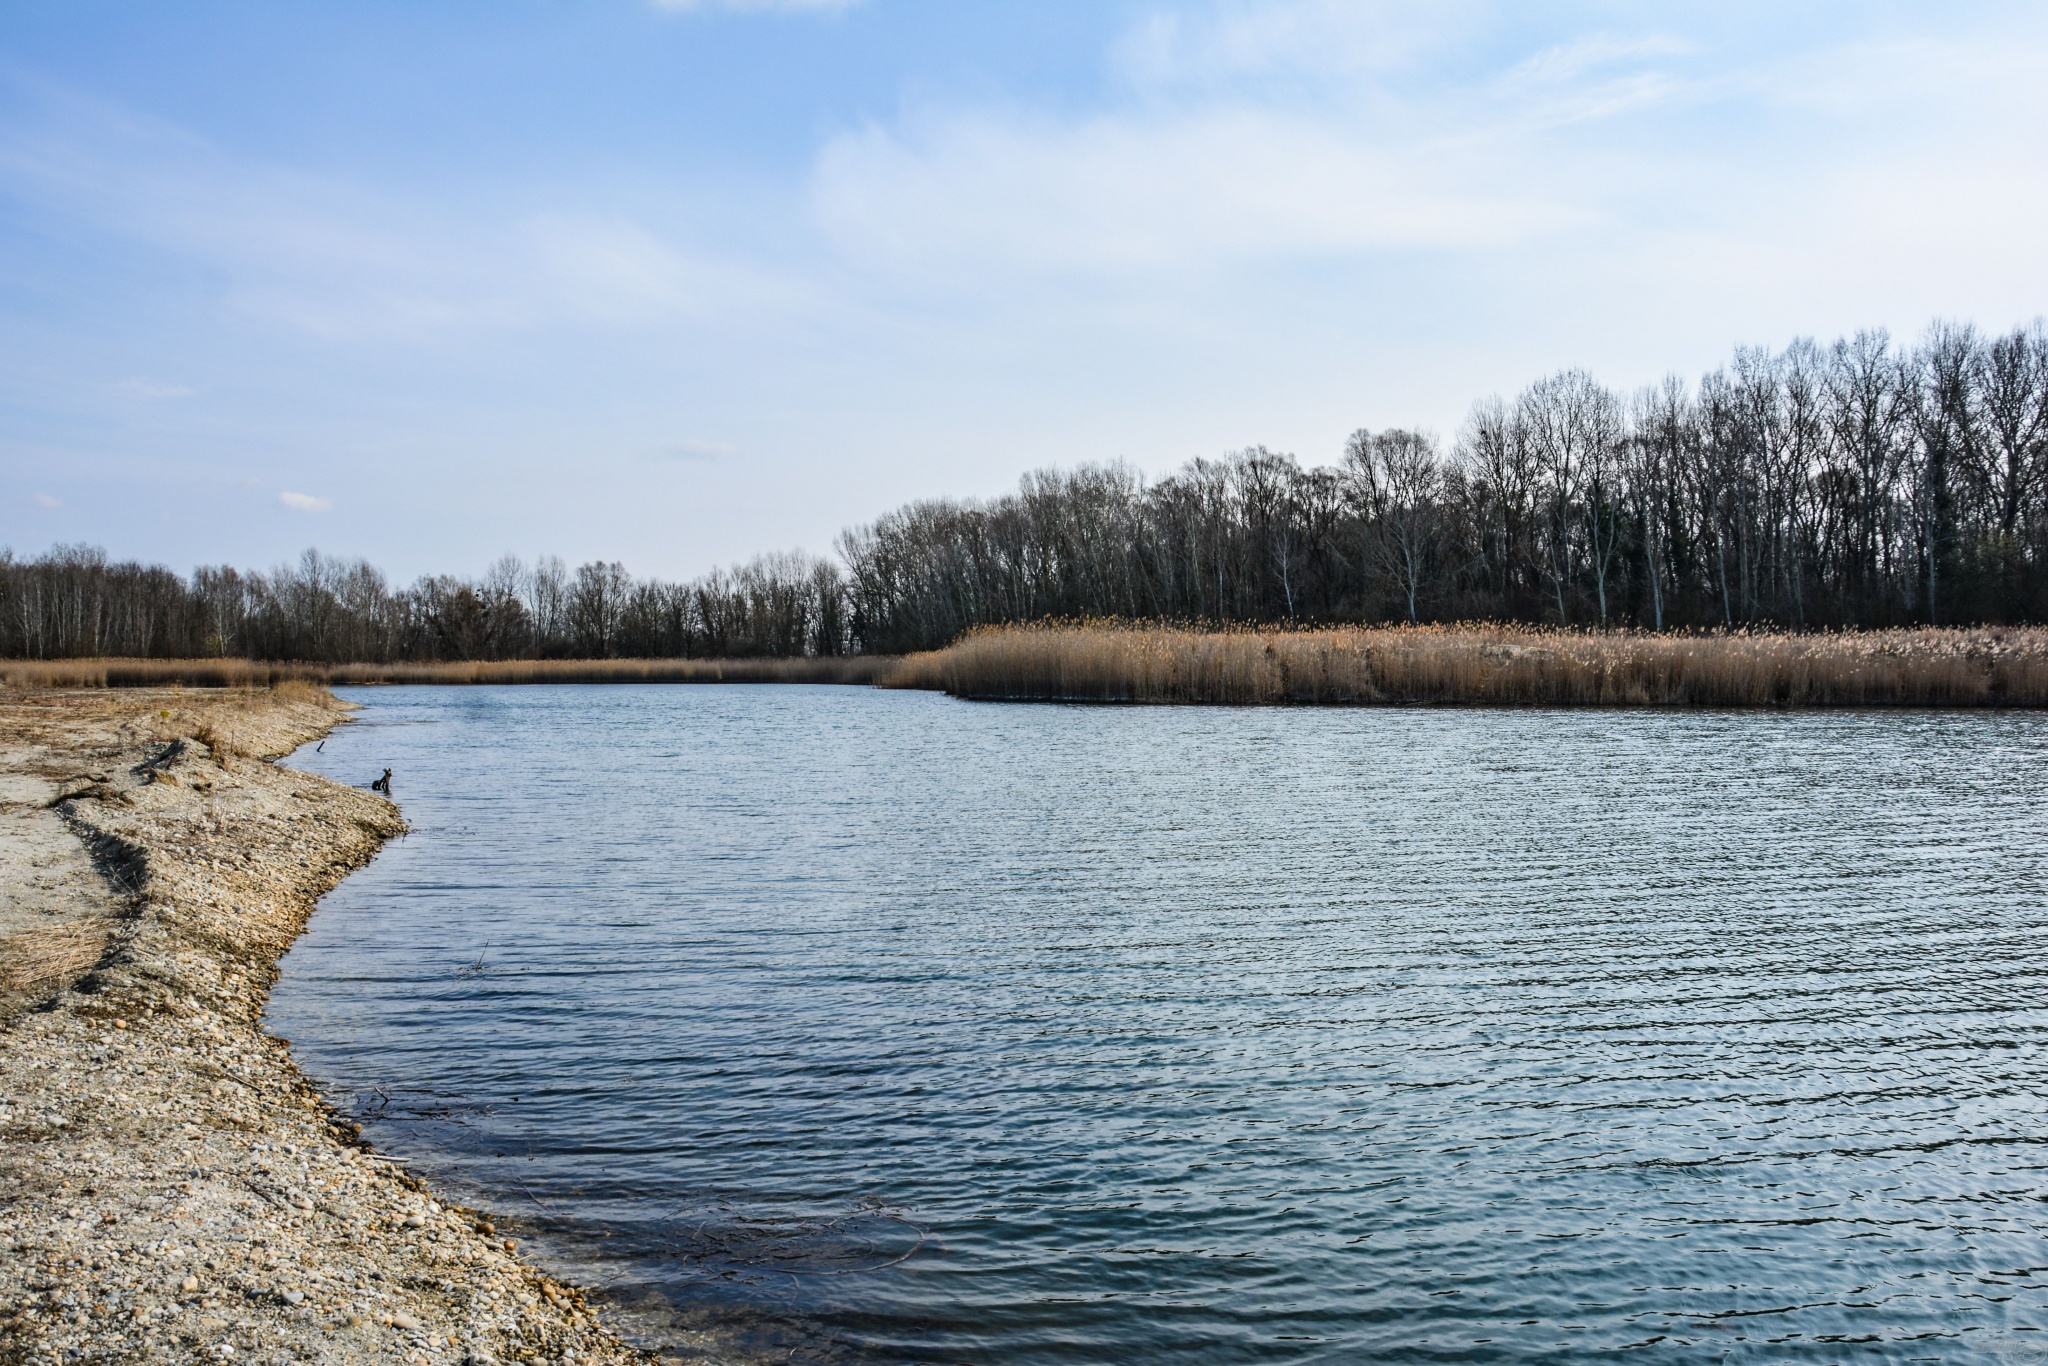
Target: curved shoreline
[(172, 1187)]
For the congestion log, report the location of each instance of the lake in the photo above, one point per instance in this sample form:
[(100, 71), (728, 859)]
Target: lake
[(841, 1025)]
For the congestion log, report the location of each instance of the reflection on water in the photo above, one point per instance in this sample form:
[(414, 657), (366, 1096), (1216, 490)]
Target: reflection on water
[(847, 1025)]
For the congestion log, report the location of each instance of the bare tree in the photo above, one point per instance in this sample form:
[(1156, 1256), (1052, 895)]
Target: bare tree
[(1664, 423), (1573, 428), (597, 605), (2013, 453), (1398, 477)]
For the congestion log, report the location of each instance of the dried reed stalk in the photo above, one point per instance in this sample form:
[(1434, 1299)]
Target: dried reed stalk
[(36, 962), (1489, 666)]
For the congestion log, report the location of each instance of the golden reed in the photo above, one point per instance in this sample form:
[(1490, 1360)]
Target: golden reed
[(1474, 665), (240, 673), (1480, 665)]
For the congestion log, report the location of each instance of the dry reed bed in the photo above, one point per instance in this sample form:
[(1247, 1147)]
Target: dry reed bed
[(243, 673), (1489, 666), (1469, 665)]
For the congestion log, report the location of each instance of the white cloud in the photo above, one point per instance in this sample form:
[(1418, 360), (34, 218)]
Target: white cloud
[(48, 501), (305, 502)]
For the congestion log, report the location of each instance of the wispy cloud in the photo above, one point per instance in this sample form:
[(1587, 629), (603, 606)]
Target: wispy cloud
[(1597, 76), (48, 500), (1253, 133), (344, 261), (152, 389), (1311, 130), (1136, 194), (1299, 44), (753, 6), (697, 452), (305, 502), (609, 269)]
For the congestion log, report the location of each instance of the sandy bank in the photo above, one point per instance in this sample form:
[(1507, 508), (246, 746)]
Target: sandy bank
[(171, 1188)]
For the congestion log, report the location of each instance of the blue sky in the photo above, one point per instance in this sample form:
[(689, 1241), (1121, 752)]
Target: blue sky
[(676, 283)]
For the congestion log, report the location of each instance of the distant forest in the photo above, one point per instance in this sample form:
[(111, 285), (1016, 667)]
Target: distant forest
[(1856, 484)]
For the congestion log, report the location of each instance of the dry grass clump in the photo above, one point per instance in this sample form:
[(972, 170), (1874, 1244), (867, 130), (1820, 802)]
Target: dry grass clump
[(36, 962), (300, 690), (220, 741), (1490, 666), (243, 673), (237, 722)]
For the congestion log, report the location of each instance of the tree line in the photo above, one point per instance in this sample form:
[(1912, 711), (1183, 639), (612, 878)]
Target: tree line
[(1854, 484), (74, 603)]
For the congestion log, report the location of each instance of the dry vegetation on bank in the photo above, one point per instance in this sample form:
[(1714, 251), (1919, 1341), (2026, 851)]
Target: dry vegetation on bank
[(1489, 666), (241, 673), (1471, 665)]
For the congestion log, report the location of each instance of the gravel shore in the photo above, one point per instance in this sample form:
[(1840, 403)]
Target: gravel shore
[(171, 1187)]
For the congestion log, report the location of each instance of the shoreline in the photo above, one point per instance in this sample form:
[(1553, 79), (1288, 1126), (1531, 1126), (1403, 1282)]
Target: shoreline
[(172, 1187), (1473, 664)]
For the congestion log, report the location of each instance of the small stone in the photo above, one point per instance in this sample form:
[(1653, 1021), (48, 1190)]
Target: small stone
[(294, 1296), (415, 1221), (190, 1285), (511, 1246), (405, 1323)]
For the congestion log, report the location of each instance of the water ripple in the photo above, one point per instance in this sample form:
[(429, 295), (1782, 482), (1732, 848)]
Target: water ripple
[(840, 1025)]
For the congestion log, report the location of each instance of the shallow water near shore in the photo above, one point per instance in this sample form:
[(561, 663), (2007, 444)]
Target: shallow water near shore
[(831, 1024)]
